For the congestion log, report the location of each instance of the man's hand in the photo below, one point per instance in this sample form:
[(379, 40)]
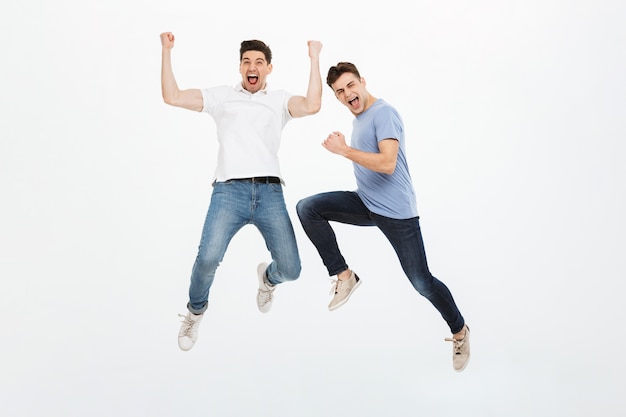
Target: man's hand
[(315, 48), (167, 40), (336, 143), (383, 161)]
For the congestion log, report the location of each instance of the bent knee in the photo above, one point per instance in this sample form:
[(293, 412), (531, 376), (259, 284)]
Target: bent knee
[(294, 273), (302, 207)]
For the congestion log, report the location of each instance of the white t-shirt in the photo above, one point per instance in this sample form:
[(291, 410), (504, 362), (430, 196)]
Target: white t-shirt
[(249, 129)]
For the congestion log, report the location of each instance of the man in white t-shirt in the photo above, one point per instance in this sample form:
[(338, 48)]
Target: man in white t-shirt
[(384, 198), (247, 187)]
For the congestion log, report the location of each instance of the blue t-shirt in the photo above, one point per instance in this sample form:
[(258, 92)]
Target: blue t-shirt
[(387, 195)]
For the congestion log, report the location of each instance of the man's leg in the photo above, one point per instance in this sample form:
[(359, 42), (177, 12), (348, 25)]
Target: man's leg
[(225, 217), (270, 216), (406, 238), (221, 223), (272, 219), (315, 213)]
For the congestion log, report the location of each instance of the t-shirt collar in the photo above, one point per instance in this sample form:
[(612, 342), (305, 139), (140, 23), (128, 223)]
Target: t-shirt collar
[(239, 87)]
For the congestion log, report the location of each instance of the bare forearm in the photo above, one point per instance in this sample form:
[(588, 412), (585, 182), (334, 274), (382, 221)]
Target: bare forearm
[(169, 88), (314, 91), (377, 162), (383, 161), (188, 99)]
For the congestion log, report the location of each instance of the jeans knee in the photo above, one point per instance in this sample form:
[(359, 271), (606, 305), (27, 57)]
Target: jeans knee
[(422, 285), (300, 208), (206, 264), (293, 273), (303, 208)]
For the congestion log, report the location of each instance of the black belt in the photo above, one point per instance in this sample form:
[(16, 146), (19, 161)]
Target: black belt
[(264, 180)]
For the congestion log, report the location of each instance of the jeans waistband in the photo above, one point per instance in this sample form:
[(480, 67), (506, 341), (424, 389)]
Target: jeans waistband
[(264, 180)]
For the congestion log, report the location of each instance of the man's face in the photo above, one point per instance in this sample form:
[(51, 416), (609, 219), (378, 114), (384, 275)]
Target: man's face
[(350, 91), (254, 70)]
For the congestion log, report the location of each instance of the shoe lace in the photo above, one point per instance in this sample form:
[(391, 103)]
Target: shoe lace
[(267, 294), (188, 324), (336, 283), (457, 344)]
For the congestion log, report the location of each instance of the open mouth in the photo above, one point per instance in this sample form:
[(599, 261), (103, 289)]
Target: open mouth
[(253, 79), (354, 102)]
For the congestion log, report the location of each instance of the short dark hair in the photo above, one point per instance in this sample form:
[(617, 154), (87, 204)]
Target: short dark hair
[(256, 45), (338, 70)]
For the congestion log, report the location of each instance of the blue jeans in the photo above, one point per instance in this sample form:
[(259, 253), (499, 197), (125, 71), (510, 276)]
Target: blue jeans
[(405, 236), (235, 204)]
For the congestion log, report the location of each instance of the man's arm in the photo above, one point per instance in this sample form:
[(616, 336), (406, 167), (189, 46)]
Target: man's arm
[(187, 99), (300, 106), (383, 161)]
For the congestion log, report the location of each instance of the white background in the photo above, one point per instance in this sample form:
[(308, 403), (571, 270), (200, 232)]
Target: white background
[(515, 119)]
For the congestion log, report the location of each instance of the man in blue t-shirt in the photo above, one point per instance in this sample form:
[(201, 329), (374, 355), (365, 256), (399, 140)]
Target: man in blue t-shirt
[(384, 198)]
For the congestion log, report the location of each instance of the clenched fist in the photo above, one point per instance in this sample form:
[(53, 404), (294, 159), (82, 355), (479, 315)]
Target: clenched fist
[(167, 40)]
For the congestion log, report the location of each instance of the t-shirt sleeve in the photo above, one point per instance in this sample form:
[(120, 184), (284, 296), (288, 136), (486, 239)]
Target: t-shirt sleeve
[(211, 97), (286, 97), (388, 124)]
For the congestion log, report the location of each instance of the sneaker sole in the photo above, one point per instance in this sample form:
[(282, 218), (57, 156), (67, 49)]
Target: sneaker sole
[(464, 366), (345, 300)]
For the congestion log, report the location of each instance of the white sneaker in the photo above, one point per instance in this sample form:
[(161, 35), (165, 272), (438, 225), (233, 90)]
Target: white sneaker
[(188, 333), (265, 296), (343, 290), (460, 351)]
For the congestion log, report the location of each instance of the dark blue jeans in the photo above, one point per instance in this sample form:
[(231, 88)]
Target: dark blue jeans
[(405, 236)]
